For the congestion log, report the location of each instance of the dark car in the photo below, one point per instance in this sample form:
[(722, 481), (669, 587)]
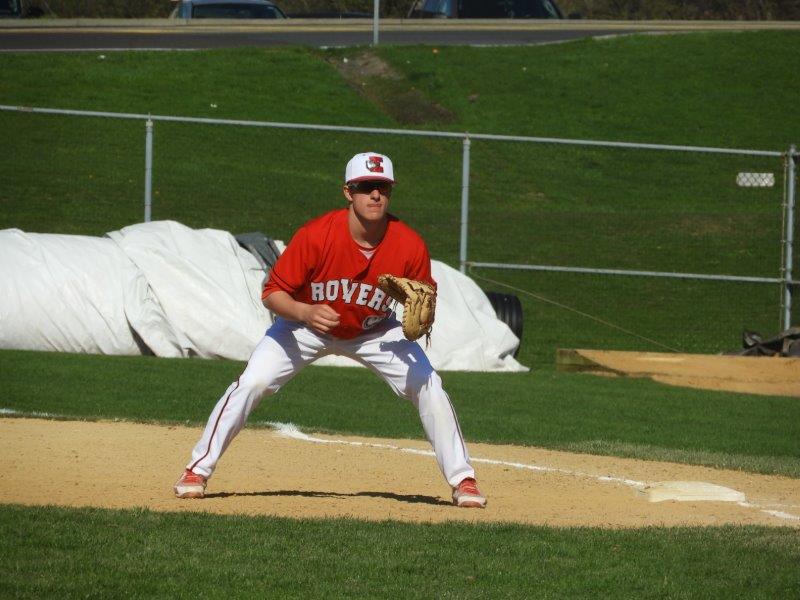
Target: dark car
[(486, 9), (333, 14), (227, 9), (10, 8)]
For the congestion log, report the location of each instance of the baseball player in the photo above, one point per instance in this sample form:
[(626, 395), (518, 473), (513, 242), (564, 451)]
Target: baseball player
[(325, 293)]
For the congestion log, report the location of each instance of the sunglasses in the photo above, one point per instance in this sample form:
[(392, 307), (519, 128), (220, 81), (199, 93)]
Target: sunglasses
[(366, 187)]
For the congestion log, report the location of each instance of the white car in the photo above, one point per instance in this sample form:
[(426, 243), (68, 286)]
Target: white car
[(227, 9)]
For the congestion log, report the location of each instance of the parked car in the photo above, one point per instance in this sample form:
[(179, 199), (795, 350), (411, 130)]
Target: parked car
[(331, 15), (227, 9), (486, 9)]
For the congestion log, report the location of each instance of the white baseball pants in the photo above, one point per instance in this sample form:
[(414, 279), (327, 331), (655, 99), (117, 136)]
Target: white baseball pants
[(288, 346)]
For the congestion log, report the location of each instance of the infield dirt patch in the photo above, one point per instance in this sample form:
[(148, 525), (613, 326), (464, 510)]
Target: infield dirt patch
[(767, 376), (266, 472)]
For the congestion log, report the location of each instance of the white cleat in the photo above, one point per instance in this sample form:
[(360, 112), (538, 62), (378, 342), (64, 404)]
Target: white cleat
[(467, 495), (190, 485)]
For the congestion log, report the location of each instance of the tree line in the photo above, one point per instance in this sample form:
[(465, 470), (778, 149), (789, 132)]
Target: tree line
[(728, 10)]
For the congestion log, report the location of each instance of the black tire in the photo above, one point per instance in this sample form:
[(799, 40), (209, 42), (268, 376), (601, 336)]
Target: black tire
[(508, 309)]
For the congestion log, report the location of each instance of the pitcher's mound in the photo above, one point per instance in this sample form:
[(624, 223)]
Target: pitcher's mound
[(772, 376)]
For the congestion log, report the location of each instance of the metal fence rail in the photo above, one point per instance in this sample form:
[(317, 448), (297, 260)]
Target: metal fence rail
[(790, 157), (671, 275)]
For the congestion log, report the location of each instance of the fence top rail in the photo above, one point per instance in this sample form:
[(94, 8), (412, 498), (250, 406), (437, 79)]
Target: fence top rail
[(410, 132), (667, 274)]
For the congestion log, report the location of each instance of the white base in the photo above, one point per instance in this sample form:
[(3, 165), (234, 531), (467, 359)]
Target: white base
[(691, 491)]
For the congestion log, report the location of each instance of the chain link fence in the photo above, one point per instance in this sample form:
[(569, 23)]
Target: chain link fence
[(607, 245)]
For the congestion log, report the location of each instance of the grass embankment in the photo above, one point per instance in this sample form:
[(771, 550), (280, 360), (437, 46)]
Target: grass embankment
[(530, 203)]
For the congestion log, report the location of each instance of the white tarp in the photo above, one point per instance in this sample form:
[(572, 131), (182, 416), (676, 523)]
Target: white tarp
[(206, 286), (165, 289)]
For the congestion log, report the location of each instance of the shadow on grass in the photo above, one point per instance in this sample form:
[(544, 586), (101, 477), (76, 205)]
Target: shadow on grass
[(409, 498)]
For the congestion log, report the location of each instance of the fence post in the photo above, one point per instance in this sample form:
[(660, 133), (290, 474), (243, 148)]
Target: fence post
[(376, 7), (464, 205), (148, 169), (791, 174)]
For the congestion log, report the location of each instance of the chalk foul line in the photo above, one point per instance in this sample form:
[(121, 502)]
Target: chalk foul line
[(290, 430)]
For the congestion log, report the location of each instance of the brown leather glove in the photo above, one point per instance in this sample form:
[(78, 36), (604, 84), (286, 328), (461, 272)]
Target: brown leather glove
[(419, 303)]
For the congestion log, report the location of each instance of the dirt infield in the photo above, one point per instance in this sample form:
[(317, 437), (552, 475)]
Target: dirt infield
[(769, 376), (285, 473)]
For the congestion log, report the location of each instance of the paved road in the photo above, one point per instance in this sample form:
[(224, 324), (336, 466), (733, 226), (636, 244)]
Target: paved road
[(161, 33), (121, 40), (94, 39)]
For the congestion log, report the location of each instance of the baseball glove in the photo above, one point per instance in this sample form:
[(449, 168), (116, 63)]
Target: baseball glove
[(419, 303)]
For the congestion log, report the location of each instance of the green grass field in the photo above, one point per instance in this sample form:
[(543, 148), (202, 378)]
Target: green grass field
[(181, 555), (74, 551), (548, 204)]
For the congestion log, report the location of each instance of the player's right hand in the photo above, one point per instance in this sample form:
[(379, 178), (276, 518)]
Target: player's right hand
[(321, 317)]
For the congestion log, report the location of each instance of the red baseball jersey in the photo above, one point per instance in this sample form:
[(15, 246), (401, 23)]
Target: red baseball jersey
[(324, 265)]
